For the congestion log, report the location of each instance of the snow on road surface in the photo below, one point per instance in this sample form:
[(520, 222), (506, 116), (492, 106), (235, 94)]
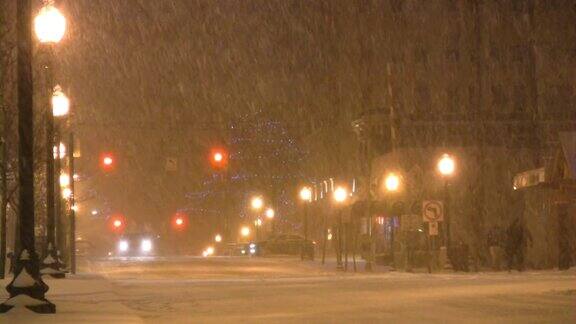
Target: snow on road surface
[(232, 290)]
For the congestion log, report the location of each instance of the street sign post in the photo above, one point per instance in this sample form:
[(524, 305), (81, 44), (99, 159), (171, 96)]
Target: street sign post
[(433, 228), (432, 211)]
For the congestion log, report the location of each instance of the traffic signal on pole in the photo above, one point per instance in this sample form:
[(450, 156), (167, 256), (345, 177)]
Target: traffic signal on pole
[(179, 221), (107, 161), (117, 223), (218, 158)]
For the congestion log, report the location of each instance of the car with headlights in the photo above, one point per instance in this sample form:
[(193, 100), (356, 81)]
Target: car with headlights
[(136, 244)]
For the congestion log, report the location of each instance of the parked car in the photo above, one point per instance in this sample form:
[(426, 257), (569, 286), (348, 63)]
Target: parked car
[(287, 244)]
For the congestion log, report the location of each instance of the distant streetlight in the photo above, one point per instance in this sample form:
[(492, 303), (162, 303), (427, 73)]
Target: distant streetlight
[(64, 180), (218, 238), (66, 193), (306, 194), (270, 213), (218, 157), (49, 25), (59, 151), (94, 212), (446, 165), (257, 203), (245, 231), (117, 223), (60, 103), (392, 182), (340, 194)]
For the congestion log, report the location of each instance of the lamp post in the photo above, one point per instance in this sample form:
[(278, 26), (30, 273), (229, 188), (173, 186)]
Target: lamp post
[(60, 109), (49, 27), (446, 167), (72, 243), (340, 196), (256, 203), (306, 197), (27, 284)]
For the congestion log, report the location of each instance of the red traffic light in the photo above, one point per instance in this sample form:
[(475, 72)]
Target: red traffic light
[(179, 221), (117, 223), (218, 158), (107, 161)]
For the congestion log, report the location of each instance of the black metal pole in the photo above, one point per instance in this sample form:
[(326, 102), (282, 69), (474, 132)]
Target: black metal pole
[(447, 215), (305, 243), (339, 252), (324, 237), (59, 221), (50, 175), (27, 266), (72, 206)]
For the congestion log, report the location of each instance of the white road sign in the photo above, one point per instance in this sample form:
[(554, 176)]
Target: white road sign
[(433, 228), (432, 211)]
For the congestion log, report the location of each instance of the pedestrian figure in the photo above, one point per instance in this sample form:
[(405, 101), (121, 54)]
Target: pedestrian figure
[(495, 245), (517, 238)]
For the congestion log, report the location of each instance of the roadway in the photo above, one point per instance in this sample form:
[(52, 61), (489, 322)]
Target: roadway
[(220, 289)]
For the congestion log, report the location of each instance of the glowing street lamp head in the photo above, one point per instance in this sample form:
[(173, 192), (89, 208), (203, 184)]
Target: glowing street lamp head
[(218, 157), (306, 194), (270, 213), (245, 231), (179, 221), (64, 180), (49, 25), (340, 194), (446, 165), (218, 238), (392, 182), (257, 203), (60, 103), (66, 193), (117, 223), (107, 160)]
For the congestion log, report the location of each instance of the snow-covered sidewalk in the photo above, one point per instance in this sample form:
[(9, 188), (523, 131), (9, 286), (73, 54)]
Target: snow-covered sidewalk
[(79, 299)]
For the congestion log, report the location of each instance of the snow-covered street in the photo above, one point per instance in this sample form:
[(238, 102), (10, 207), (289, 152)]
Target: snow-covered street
[(185, 290)]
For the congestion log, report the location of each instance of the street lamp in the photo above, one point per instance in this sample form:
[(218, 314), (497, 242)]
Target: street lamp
[(245, 231), (64, 180), (218, 238), (60, 103), (447, 167), (270, 213), (392, 182), (306, 197), (49, 25), (340, 196), (306, 194), (66, 193), (257, 203)]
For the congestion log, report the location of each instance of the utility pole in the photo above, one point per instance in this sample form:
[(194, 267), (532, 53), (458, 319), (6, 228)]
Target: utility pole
[(27, 280)]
